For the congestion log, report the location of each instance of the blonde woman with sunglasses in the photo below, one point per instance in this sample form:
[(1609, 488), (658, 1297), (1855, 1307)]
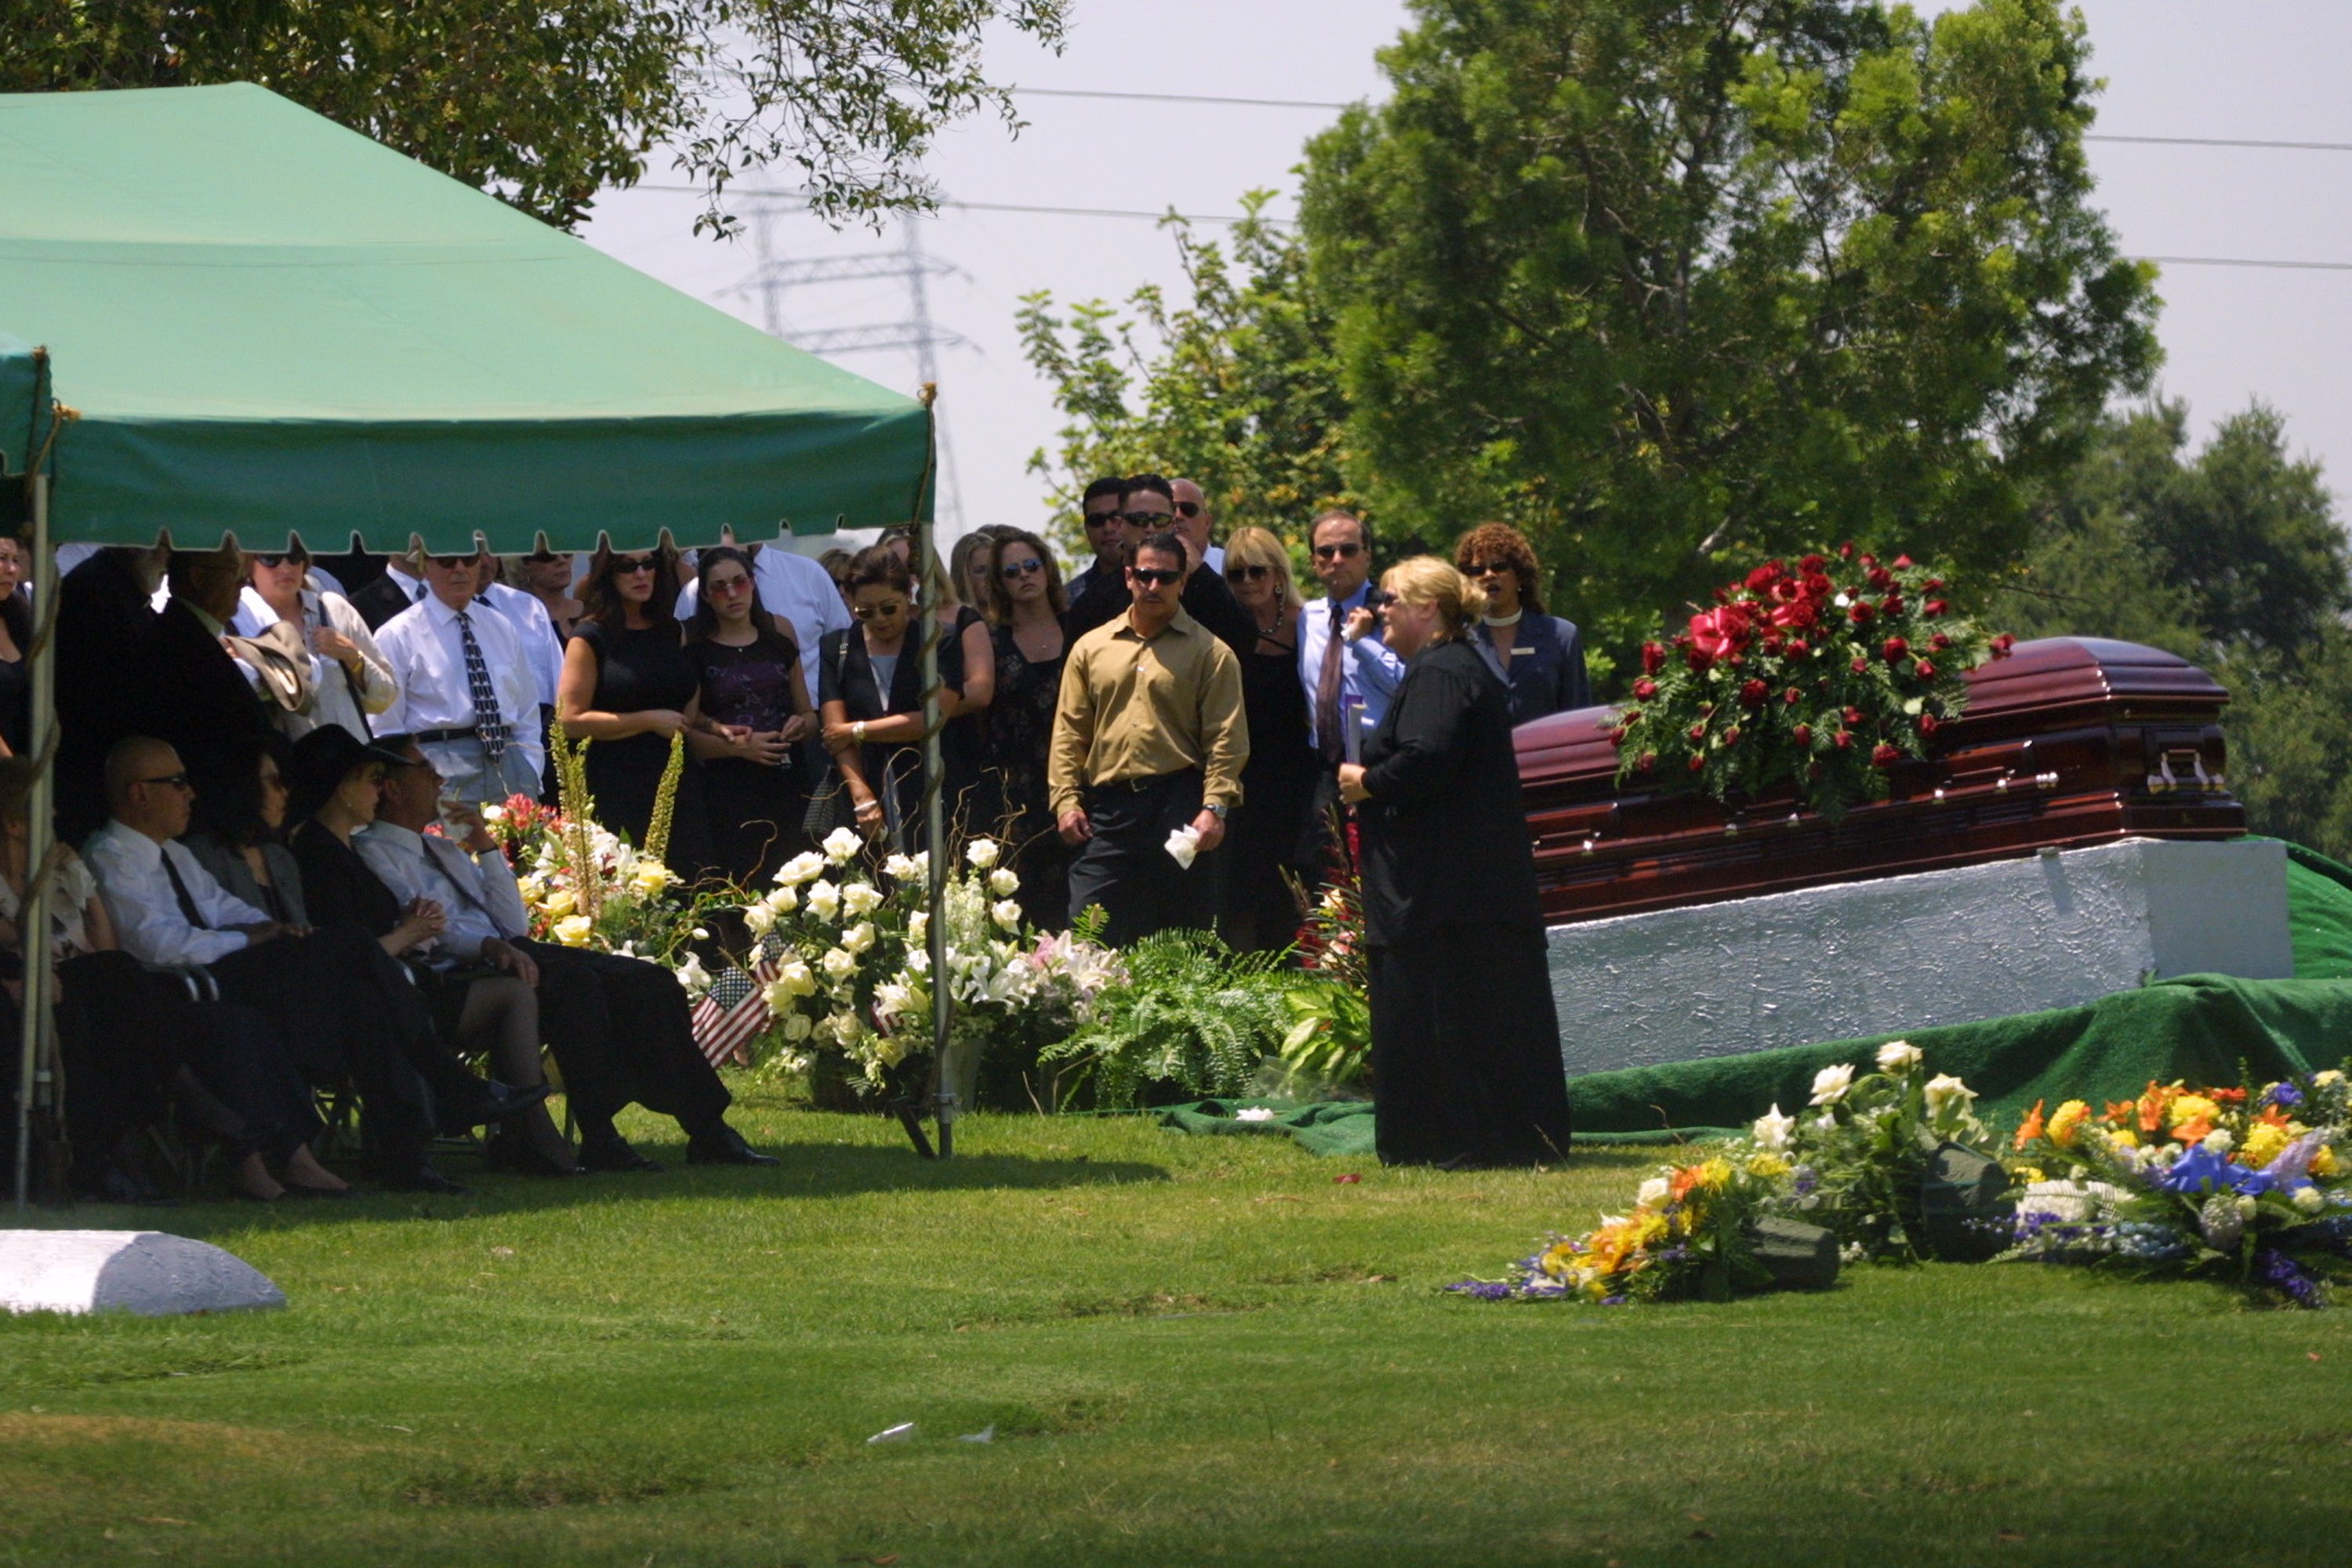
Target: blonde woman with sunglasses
[(1272, 829)]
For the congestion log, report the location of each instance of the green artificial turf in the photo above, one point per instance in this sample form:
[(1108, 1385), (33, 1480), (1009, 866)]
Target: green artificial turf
[(1191, 1350)]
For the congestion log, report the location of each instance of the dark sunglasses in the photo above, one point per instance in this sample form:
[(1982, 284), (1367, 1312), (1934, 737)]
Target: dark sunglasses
[(1238, 573), (868, 612), (1188, 509), (1481, 568), (1102, 518), (280, 559), (1145, 519), (177, 780), (1012, 569), (1153, 576), (632, 563), (1341, 552), (451, 562)]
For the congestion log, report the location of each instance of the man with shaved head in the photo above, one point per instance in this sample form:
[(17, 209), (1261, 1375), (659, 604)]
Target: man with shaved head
[(345, 1007)]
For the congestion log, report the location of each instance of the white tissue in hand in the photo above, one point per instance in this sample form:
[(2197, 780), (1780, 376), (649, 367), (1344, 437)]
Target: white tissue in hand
[(1183, 845)]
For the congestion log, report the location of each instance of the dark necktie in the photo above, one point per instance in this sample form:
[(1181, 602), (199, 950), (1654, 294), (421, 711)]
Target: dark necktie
[(195, 917), (1327, 693), (486, 722)]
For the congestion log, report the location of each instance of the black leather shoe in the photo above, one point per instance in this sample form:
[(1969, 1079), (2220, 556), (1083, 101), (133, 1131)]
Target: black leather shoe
[(116, 1185), (504, 1153), (725, 1147), (422, 1178), (615, 1156), (498, 1103)]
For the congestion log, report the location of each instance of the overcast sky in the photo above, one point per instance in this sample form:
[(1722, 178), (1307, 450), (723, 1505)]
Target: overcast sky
[(2255, 69)]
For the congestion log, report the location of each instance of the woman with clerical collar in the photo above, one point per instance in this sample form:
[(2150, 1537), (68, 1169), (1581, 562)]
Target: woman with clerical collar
[(1541, 657)]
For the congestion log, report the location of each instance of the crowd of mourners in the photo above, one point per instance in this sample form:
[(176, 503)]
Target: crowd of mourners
[(284, 895)]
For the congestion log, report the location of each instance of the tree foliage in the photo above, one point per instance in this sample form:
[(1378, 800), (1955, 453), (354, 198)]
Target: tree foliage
[(545, 104), (1236, 390), (1678, 283)]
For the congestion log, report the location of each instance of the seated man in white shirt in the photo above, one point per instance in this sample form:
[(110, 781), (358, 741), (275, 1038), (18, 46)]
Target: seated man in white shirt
[(621, 1027), (345, 1008), (468, 693)]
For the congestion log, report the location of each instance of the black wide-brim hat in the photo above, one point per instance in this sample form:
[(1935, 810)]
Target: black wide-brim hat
[(321, 761)]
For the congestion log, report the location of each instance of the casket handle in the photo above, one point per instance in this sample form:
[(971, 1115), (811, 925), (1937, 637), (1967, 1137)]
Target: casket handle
[(2163, 782)]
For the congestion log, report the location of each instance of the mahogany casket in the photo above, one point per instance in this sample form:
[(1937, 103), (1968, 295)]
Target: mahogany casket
[(2069, 742)]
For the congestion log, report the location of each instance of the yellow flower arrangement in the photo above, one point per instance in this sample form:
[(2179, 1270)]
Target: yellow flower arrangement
[(2264, 1143), (2066, 1124), (574, 931)]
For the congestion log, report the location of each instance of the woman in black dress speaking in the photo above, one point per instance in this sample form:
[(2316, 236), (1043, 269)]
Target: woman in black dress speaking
[(1466, 1042), (628, 686)]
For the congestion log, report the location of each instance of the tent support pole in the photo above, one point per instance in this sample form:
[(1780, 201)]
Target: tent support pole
[(36, 1076), (932, 575)]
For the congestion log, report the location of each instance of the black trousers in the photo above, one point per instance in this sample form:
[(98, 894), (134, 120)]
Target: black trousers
[(1465, 1050), (348, 1011), (1125, 867), (621, 1030)]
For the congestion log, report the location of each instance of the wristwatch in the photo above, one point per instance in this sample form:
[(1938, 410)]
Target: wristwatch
[(1216, 809)]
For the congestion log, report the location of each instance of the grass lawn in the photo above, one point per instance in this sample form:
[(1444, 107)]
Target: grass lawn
[(1192, 1350)]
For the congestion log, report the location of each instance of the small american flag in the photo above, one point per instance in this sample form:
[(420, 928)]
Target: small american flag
[(733, 1009)]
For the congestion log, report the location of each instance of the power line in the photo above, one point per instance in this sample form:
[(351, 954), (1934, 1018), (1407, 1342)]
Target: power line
[(2223, 142), (1005, 207), (2246, 261)]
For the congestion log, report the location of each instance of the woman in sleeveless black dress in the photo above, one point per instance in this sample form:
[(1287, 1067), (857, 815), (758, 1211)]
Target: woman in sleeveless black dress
[(750, 666)]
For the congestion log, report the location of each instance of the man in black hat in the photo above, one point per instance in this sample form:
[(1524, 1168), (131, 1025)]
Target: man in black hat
[(345, 1007)]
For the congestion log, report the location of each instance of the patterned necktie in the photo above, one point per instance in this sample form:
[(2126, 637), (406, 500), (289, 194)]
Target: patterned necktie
[(1327, 693), (486, 722)]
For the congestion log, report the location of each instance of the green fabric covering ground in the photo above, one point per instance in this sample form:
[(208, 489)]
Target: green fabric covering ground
[(1319, 1127), (2320, 915)]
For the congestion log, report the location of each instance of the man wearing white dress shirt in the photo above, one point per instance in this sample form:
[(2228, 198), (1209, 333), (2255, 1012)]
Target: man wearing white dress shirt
[(345, 1007), (467, 693), (1341, 658), (1195, 523), (621, 1027), (790, 585)]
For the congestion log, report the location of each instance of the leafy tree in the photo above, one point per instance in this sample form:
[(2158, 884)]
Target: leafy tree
[(545, 104), (1237, 391), (1675, 284)]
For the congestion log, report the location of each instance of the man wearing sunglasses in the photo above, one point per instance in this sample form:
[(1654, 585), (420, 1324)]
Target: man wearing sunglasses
[(1148, 506), (1100, 512), (466, 691), (1195, 523), (1148, 739), (1342, 661)]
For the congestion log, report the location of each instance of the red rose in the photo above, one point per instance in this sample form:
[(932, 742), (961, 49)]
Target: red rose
[(1846, 550), (1649, 759), (1931, 584), (1894, 648), (1924, 670), (1654, 659), (1799, 647), (1883, 755), (1862, 667), (1628, 719), (1892, 604), (1698, 762), (1853, 715), (1764, 576), (1812, 563), (1796, 613), (1881, 579), (1869, 563), (1751, 693), (1697, 659), (1934, 607), (1843, 738), (1616, 736), (1901, 563), (1939, 642), (1791, 696), (1697, 733), (1731, 736), (1722, 633), (1817, 585), (1771, 643), (1861, 612), (1646, 688), (1929, 723), (2002, 644), (1802, 735)]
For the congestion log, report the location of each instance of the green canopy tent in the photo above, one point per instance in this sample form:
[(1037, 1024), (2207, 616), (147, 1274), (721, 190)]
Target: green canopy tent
[(259, 323)]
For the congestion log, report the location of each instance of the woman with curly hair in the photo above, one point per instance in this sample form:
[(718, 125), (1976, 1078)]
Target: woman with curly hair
[(1541, 657)]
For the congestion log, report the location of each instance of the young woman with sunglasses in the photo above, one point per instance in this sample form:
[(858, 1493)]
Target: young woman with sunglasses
[(351, 679), (629, 686), (1541, 657), (753, 684), (870, 696), (1025, 602), (1273, 828)]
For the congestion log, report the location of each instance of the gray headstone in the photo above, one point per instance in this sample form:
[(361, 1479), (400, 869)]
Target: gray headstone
[(140, 1271)]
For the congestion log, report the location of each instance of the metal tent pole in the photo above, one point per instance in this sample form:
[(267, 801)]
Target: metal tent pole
[(36, 1076), (934, 577)]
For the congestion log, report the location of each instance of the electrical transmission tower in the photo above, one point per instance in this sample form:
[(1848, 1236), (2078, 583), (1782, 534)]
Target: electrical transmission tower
[(776, 276)]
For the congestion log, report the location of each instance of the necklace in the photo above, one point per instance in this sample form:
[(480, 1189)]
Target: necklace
[(1500, 621)]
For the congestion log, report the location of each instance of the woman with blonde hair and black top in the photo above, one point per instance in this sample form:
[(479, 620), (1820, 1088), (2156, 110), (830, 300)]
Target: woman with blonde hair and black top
[(1466, 1041), (1272, 829)]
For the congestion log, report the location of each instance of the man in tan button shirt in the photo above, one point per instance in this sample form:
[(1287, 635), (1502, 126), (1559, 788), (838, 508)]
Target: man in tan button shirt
[(1149, 738)]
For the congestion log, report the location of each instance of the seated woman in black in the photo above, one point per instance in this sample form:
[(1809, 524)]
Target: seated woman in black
[(336, 778), (240, 837)]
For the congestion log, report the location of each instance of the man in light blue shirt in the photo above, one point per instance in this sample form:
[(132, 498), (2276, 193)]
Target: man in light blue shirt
[(1340, 654)]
